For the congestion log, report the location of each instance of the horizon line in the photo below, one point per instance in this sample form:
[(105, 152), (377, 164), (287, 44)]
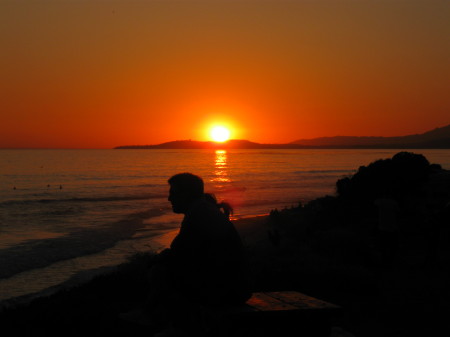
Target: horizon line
[(212, 141)]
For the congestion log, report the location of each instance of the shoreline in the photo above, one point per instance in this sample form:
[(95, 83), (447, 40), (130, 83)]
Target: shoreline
[(250, 229), (62, 275)]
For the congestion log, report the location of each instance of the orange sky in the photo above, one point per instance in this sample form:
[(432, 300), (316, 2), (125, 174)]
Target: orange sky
[(97, 74)]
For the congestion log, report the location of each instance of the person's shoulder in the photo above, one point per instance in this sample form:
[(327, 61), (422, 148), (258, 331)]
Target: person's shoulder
[(201, 205), (205, 213), (203, 209)]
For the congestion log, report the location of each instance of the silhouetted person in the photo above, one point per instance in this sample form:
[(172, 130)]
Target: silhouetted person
[(205, 264), (207, 255), (388, 229)]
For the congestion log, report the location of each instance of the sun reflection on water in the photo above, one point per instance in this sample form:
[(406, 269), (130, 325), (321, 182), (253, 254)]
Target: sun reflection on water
[(221, 168)]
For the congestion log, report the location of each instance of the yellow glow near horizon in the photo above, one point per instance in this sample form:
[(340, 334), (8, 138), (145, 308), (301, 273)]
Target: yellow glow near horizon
[(220, 134)]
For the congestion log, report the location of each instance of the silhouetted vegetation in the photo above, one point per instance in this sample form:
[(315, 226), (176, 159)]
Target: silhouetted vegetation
[(402, 175), (330, 248)]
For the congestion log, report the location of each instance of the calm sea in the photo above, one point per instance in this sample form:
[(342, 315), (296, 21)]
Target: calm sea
[(66, 214)]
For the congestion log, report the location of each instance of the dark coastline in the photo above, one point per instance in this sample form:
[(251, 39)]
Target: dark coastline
[(438, 138), (326, 249)]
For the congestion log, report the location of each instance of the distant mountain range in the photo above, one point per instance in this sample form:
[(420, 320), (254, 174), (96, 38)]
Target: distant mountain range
[(438, 138)]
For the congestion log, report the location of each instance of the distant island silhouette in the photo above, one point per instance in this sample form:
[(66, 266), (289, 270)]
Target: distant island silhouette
[(438, 138)]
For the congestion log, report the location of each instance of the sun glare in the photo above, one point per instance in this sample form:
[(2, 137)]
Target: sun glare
[(220, 134)]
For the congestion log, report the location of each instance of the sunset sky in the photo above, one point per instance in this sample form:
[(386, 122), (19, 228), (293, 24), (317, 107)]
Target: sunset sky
[(97, 74)]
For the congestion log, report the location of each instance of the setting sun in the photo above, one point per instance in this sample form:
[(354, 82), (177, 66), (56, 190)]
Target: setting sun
[(220, 134)]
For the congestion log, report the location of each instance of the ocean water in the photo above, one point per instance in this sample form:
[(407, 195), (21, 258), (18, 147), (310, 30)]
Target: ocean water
[(68, 214)]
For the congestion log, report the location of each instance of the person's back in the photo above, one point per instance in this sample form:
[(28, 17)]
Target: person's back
[(208, 256)]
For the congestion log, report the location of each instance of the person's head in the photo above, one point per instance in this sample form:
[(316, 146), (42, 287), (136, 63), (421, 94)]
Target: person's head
[(184, 188)]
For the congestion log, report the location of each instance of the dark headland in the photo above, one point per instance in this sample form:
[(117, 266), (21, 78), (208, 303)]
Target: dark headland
[(438, 138)]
